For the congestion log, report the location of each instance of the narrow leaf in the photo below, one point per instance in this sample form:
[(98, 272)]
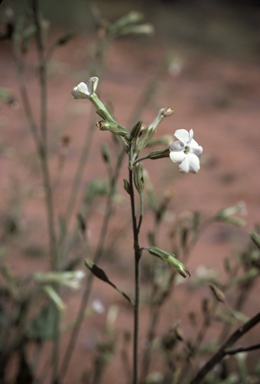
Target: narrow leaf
[(100, 274), (256, 238)]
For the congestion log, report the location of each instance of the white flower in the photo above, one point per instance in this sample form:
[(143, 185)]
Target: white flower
[(98, 307), (83, 90), (186, 151)]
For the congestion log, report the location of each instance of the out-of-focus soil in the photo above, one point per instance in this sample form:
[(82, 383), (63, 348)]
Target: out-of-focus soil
[(218, 98)]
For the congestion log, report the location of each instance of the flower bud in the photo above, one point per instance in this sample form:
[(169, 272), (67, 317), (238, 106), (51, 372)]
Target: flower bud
[(256, 238), (143, 29), (135, 132), (166, 112), (150, 131), (83, 90), (105, 153), (131, 18), (114, 128), (219, 295), (159, 154), (170, 259), (127, 186), (239, 209), (138, 177)]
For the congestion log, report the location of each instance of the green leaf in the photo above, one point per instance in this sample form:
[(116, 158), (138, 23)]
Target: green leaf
[(53, 295), (253, 272), (256, 238), (127, 186), (100, 274), (42, 327)]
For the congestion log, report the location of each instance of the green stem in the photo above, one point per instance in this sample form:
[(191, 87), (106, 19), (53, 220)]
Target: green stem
[(46, 174), (140, 159)]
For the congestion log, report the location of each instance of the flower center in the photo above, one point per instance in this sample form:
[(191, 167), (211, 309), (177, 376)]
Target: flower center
[(186, 150)]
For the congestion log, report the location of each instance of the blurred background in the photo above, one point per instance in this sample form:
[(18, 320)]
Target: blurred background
[(203, 61)]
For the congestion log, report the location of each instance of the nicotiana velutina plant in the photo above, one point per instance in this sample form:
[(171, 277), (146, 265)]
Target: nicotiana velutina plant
[(185, 152)]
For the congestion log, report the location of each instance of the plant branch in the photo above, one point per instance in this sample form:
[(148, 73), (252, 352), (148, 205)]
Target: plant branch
[(223, 351)]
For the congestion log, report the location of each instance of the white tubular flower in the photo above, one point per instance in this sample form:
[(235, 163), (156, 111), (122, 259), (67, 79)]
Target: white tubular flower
[(186, 151), (83, 90)]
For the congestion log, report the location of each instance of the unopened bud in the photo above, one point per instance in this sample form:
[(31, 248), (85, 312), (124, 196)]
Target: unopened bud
[(143, 29), (127, 186), (166, 112), (105, 153), (170, 259), (114, 128), (138, 177), (219, 295), (150, 131), (159, 154), (135, 132)]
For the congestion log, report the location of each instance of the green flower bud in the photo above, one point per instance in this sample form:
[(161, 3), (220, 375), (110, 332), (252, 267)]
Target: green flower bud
[(135, 132), (131, 18), (226, 215), (138, 177), (114, 128), (159, 154), (256, 238), (170, 259), (151, 129), (143, 29), (127, 186), (105, 153)]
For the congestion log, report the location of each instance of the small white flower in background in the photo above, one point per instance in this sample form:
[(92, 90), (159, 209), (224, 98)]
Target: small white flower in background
[(186, 151), (83, 90), (98, 307), (75, 278), (239, 209)]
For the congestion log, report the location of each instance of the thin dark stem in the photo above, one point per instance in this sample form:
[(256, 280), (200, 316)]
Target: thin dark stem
[(137, 278), (97, 257), (234, 351), (223, 351)]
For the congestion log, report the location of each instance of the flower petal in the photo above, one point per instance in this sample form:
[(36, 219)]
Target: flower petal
[(80, 91), (194, 163), (92, 84), (184, 166), (182, 135), (177, 146), (85, 89), (195, 148), (177, 157)]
